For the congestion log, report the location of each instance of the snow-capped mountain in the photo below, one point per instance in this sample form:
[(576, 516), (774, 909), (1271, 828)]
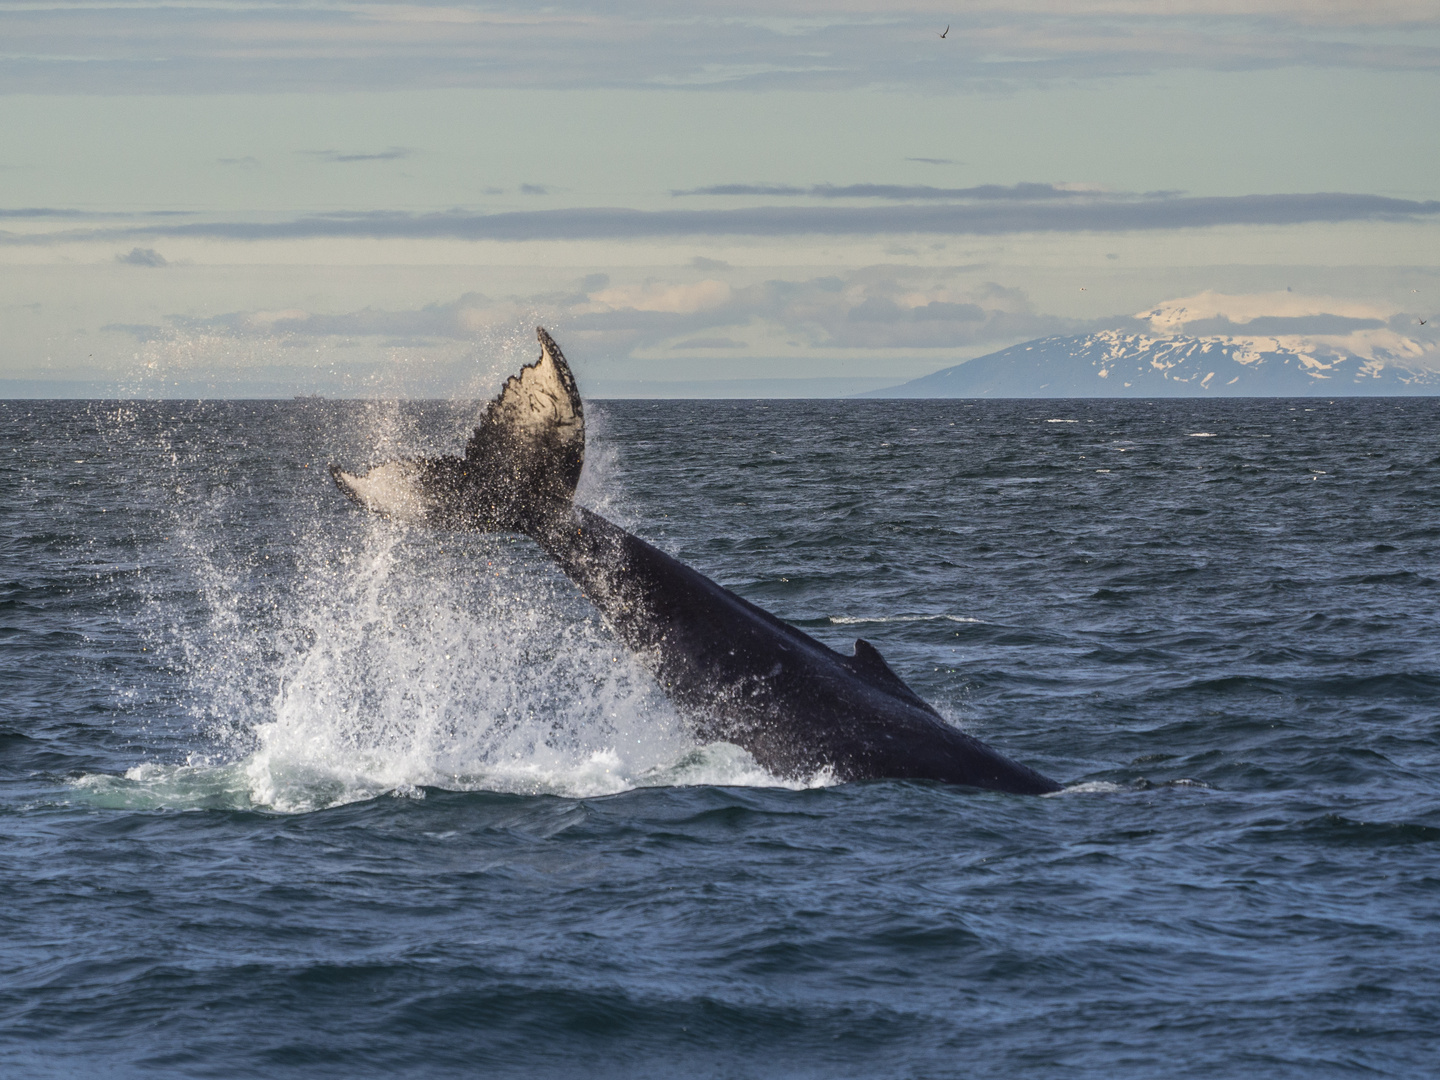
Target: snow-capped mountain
[(1266, 345)]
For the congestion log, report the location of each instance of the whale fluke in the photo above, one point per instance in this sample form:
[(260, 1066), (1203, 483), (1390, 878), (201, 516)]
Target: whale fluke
[(529, 447), (520, 467)]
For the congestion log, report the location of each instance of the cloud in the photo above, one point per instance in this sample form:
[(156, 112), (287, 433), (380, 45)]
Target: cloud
[(878, 315), (142, 257), (81, 215), (985, 218), (461, 318), (239, 162), (709, 343), (761, 190), (933, 160), (259, 46), (677, 299), (869, 312), (897, 192), (880, 307), (534, 189), (886, 308), (1312, 325), (43, 212), (1242, 309), (395, 153), (872, 308)]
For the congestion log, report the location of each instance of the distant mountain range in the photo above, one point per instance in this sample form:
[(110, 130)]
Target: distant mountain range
[(1114, 363)]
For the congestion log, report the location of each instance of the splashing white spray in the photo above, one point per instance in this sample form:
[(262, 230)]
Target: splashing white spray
[(410, 663), (338, 657)]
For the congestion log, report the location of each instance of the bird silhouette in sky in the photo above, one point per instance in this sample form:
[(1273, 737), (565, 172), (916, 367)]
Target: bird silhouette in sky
[(947, 30)]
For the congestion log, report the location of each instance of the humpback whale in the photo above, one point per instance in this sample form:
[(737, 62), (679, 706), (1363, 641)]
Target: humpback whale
[(738, 673)]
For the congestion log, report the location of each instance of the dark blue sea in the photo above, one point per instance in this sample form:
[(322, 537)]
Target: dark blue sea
[(287, 790)]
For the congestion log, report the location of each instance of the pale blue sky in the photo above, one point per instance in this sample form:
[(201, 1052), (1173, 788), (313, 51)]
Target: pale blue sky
[(312, 178)]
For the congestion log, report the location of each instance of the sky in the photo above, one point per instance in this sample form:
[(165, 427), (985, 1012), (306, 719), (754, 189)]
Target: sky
[(254, 199)]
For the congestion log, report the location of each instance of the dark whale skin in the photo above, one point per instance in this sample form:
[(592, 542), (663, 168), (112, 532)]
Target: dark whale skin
[(751, 679)]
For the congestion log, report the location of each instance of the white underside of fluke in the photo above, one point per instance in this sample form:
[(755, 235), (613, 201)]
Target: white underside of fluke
[(393, 489)]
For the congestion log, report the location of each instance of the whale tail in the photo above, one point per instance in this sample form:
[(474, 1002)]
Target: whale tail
[(520, 467)]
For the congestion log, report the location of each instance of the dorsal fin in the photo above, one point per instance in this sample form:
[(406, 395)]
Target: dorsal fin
[(868, 662)]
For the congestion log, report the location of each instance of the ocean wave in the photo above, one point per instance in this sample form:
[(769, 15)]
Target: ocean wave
[(859, 620), (1114, 787)]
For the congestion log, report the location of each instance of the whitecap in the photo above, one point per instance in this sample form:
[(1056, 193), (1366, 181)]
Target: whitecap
[(1089, 787)]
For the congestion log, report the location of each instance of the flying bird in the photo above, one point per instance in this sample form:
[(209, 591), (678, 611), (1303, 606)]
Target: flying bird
[(1422, 322), (947, 30)]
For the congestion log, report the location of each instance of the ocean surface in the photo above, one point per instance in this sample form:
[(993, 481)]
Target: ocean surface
[(290, 791)]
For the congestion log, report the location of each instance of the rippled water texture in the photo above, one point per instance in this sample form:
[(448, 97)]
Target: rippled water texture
[(290, 791)]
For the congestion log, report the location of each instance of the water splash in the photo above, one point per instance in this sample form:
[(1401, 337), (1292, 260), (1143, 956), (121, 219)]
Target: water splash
[(330, 657)]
